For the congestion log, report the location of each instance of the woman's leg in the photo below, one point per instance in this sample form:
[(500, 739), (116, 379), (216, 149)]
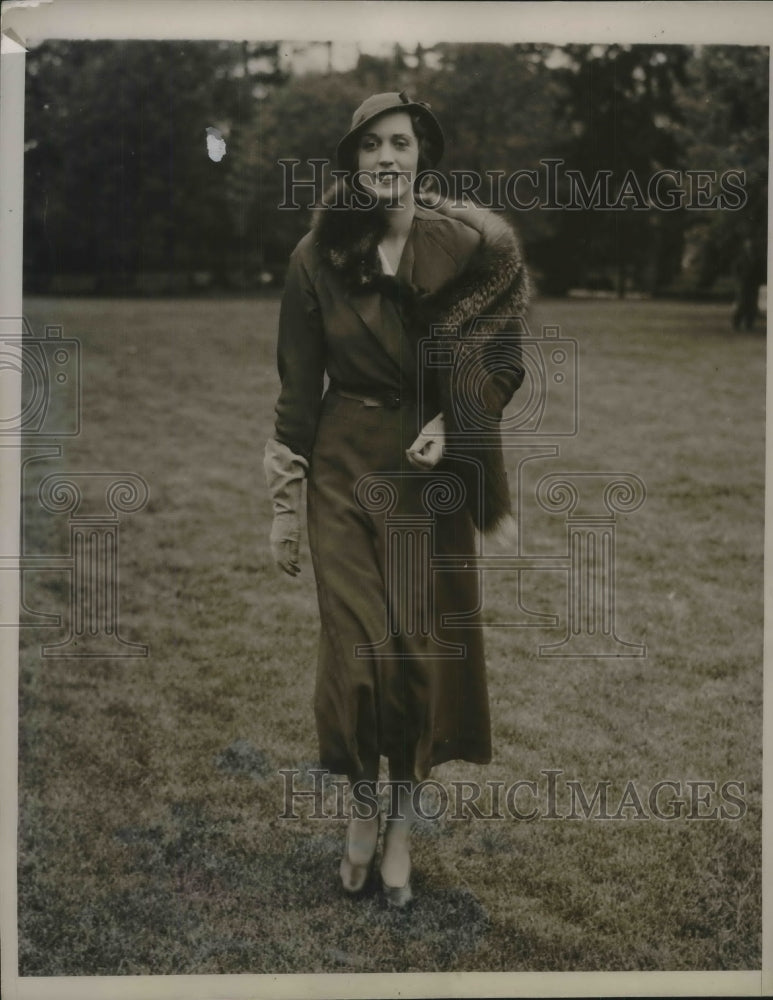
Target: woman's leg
[(363, 824), (396, 861), (362, 832)]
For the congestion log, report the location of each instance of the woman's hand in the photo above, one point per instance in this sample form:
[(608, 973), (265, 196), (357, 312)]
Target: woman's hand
[(427, 450), (285, 541), (285, 472)]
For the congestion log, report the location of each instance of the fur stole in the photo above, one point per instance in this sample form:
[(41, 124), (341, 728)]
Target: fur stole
[(484, 299)]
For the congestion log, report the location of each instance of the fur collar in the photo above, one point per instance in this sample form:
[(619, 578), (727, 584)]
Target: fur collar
[(494, 281), (348, 239)]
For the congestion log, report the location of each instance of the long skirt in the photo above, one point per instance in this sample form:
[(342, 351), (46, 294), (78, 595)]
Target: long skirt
[(401, 669)]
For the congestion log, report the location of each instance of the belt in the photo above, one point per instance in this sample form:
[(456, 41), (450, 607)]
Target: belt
[(390, 399)]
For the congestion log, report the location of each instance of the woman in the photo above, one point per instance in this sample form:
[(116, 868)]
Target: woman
[(386, 295)]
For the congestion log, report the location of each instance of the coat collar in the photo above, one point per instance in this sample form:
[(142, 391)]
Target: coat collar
[(492, 280), (347, 241)]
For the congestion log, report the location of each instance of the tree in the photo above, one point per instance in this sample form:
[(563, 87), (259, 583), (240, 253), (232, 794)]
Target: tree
[(725, 112), (617, 111), (117, 177), (257, 74)]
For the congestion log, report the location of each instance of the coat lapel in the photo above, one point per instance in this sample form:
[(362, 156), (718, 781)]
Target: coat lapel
[(367, 307), (382, 320), (379, 313), (405, 267)]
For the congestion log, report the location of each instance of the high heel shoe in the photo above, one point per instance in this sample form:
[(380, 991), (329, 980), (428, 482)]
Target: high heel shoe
[(355, 876), (397, 895)]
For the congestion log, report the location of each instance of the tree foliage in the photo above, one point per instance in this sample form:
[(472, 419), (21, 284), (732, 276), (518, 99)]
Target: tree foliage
[(616, 113), (119, 183), (725, 115)]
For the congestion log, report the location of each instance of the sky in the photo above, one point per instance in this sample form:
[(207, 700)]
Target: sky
[(341, 56)]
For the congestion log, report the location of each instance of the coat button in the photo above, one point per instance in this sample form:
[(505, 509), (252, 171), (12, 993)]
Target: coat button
[(392, 400)]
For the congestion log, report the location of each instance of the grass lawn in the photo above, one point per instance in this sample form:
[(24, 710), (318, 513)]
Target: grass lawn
[(150, 837)]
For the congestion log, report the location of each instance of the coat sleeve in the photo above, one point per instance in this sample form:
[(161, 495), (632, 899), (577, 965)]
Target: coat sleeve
[(300, 359), (502, 366)]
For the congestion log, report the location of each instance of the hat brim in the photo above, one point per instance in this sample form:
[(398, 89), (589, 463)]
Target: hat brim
[(347, 147)]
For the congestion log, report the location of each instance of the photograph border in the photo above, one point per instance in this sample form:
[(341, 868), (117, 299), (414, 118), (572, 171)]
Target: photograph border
[(742, 23)]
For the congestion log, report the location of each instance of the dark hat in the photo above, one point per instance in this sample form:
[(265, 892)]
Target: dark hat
[(378, 104)]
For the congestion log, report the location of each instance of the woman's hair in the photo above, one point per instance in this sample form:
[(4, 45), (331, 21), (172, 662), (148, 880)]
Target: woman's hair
[(425, 148)]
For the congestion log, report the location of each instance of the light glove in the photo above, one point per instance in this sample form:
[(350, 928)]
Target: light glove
[(285, 472), (427, 450)]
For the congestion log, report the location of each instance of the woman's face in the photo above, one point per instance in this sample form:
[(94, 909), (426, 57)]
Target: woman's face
[(388, 156)]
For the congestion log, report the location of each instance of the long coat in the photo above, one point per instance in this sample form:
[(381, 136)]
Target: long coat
[(401, 669)]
